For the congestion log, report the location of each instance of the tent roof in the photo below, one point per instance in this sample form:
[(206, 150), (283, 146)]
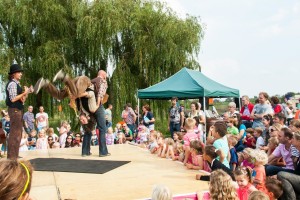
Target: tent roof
[(187, 84)]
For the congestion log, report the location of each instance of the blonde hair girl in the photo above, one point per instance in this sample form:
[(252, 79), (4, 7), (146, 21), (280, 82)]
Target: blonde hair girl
[(168, 148), (260, 158), (243, 177), (15, 179), (220, 187)]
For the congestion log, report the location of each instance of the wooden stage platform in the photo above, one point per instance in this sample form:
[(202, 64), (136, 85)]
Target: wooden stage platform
[(134, 180)]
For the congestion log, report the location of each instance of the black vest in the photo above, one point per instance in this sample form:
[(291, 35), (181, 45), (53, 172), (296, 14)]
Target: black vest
[(84, 102), (18, 104)]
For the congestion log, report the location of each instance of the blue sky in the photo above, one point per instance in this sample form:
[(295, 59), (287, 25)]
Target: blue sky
[(249, 45)]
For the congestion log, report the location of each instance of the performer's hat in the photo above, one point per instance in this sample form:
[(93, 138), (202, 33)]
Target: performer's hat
[(15, 68)]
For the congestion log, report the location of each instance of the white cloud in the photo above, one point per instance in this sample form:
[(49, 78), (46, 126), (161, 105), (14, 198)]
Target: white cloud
[(249, 45), (272, 30)]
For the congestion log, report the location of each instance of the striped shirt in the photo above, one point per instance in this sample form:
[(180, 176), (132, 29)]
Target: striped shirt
[(12, 89)]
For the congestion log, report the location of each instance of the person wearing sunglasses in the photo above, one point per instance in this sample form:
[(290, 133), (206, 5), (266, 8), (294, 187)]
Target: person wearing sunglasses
[(50, 141), (69, 142), (77, 140)]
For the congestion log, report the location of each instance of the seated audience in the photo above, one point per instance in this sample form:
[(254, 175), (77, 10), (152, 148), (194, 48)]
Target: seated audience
[(109, 136), (290, 180), (16, 178), (196, 155), (249, 140), (232, 141), (220, 187), (260, 158), (243, 177), (69, 142), (274, 188), (258, 195), (42, 142), (259, 139), (210, 154), (77, 140), (161, 192), (283, 150), (32, 140)]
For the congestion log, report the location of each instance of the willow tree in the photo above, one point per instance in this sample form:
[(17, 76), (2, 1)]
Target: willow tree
[(143, 41)]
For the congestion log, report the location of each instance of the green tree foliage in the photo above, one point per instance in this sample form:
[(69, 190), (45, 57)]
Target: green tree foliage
[(143, 41)]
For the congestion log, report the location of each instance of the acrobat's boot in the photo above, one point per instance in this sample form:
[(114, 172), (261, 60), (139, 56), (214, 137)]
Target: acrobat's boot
[(40, 84), (60, 75)]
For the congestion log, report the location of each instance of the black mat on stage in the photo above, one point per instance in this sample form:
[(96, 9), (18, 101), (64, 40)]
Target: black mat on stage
[(75, 165)]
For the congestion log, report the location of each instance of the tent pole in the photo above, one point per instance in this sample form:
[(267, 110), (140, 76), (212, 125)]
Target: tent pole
[(204, 109), (240, 106), (138, 112)]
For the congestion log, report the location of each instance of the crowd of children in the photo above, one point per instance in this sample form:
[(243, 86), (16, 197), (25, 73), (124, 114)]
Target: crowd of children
[(244, 169)]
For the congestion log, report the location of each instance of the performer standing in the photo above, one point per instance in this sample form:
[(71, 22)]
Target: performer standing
[(15, 99), (100, 91)]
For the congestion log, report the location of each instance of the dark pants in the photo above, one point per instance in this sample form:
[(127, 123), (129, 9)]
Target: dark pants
[(15, 133), (248, 124), (291, 185), (28, 130), (239, 146), (174, 128), (101, 126), (272, 170), (86, 143), (131, 127)]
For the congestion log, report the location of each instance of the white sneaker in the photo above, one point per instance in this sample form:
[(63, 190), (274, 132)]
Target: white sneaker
[(59, 75)]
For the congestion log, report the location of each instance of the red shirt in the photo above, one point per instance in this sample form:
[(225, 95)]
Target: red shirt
[(277, 108), (250, 107), (249, 141)]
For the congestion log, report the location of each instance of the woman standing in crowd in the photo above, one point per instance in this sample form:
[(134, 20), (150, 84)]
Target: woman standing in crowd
[(288, 111), (129, 116), (148, 118), (197, 112)]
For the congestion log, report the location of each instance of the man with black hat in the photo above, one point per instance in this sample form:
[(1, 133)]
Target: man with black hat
[(15, 98)]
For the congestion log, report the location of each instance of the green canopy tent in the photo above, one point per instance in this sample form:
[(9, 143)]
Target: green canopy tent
[(187, 84)]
